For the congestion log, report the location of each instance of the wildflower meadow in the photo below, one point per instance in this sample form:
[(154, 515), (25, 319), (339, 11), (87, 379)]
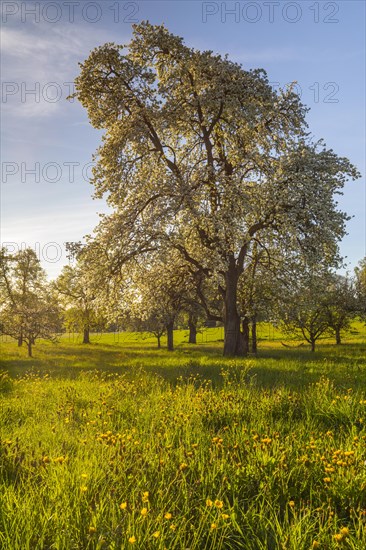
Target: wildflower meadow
[(154, 450)]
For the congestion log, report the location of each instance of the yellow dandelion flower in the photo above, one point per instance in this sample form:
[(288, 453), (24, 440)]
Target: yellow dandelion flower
[(168, 515), (219, 504), (338, 537), (156, 534), (209, 502), (84, 476), (132, 540), (92, 530), (291, 504), (83, 488), (213, 526), (123, 505), (145, 496), (144, 512), (316, 544), (344, 531), (225, 516), (327, 480)]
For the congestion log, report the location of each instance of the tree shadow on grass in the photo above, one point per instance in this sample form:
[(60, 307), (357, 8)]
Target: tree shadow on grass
[(271, 368)]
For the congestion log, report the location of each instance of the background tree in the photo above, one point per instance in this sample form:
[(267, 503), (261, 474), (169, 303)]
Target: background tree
[(257, 289), (203, 157), (340, 304), (303, 310), (155, 324), (194, 318), (28, 308), (360, 273), (78, 299), (159, 290)]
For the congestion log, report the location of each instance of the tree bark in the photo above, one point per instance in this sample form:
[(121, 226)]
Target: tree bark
[(312, 342), (245, 329), (234, 341), (158, 339), (86, 335), (169, 333), (29, 345), (338, 336), (20, 341), (192, 324), (254, 335)]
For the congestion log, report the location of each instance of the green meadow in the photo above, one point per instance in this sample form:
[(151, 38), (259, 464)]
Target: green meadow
[(118, 445)]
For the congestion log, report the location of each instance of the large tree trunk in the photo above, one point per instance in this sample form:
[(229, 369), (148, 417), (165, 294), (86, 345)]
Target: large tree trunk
[(234, 341), (338, 336), (245, 329), (254, 334), (29, 345), (20, 341), (312, 342), (86, 335), (169, 334), (158, 339), (192, 324)]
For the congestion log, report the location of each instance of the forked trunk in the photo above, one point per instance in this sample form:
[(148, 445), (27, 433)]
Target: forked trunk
[(169, 334), (234, 341), (312, 342)]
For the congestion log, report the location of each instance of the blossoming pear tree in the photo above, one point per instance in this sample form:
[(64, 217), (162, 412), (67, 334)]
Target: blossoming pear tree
[(203, 157)]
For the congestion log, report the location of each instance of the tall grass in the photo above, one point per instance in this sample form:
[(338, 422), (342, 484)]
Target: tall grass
[(107, 446)]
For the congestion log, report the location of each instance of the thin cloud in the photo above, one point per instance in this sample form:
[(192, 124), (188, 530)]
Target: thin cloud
[(32, 61)]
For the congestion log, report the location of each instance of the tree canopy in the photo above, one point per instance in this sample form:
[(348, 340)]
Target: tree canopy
[(204, 158), (28, 308)]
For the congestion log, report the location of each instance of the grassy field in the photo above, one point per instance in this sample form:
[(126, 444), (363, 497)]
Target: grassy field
[(117, 445)]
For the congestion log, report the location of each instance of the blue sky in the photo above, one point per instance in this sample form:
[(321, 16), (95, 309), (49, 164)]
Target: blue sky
[(47, 142)]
